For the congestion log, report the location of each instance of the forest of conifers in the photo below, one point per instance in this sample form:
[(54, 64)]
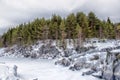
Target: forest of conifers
[(73, 26)]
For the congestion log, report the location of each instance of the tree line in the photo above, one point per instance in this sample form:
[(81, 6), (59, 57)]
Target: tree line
[(75, 26)]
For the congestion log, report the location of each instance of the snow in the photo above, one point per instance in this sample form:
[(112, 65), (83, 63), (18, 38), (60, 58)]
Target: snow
[(114, 51), (29, 69), (2, 51), (44, 69), (8, 72), (3, 71), (101, 45)]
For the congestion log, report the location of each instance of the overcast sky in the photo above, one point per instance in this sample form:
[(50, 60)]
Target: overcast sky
[(14, 12)]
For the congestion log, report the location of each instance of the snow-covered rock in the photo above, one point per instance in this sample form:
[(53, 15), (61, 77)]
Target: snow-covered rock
[(48, 52), (77, 66), (111, 66), (8, 73), (83, 49), (88, 72), (65, 62), (43, 51), (68, 52)]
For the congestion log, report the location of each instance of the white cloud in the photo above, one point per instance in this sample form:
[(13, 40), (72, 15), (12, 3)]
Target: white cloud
[(13, 12), (103, 8)]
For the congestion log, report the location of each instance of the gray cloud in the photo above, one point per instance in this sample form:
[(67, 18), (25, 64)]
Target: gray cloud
[(14, 12)]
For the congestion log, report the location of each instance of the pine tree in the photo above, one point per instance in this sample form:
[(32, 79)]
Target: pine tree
[(117, 30), (1, 44), (82, 20), (63, 34), (79, 35), (70, 27), (92, 19)]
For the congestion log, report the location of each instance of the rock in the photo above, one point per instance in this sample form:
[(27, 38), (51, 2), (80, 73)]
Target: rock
[(87, 65), (84, 49), (34, 55), (72, 68), (68, 52), (65, 62), (35, 79), (15, 70), (8, 72), (79, 63), (26, 55), (97, 76), (76, 66), (111, 67), (117, 71), (112, 73), (44, 51), (48, 52), (95, 57), (81, 49), (88, 72)]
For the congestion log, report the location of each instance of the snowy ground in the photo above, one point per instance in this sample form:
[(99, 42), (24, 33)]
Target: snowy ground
[(30, 69)]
